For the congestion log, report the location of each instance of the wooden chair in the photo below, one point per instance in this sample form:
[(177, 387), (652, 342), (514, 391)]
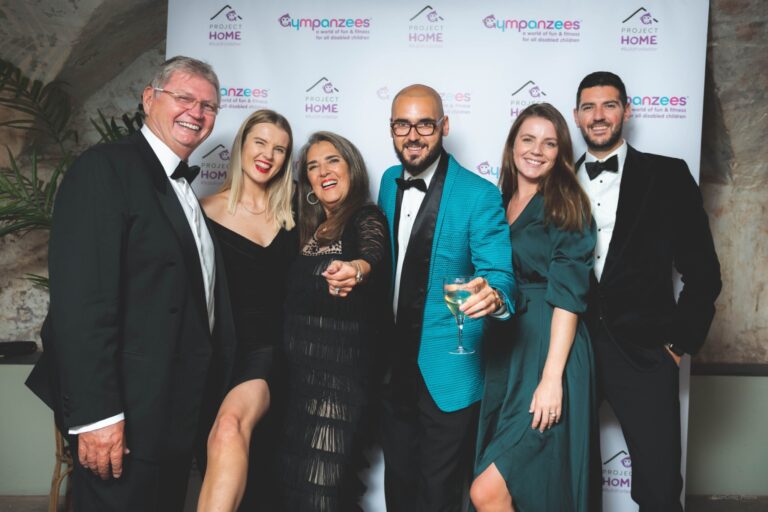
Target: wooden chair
[(63, 457)]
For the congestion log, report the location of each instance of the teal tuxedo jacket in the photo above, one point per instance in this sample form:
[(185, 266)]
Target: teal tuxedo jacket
[(471, 238)]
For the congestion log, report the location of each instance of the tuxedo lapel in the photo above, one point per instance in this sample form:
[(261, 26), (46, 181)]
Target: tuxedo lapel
[(172, 208), (636, 183)]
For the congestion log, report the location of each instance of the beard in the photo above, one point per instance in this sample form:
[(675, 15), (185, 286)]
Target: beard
[(603, 146), (416, 168)]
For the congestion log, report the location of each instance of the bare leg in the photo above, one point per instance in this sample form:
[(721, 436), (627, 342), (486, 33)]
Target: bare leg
[(228, 443), (489, 492)]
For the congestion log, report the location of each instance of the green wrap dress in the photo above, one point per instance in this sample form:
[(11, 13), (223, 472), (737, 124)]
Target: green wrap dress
[(546, 471)]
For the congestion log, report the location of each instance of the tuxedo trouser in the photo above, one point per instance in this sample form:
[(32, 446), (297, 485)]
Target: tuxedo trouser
[(647, 404), (143, 487), (428, 455)]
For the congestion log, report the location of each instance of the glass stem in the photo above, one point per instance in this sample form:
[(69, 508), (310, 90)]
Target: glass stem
[(460, 324)]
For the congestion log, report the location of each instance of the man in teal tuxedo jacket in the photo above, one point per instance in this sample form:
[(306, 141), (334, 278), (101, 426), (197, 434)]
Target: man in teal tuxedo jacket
[(444, 221)]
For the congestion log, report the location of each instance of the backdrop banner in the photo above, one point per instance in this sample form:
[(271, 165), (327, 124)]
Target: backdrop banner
[(336, 65)]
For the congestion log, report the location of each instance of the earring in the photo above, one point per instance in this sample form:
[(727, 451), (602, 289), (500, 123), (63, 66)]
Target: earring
[(312, 193)]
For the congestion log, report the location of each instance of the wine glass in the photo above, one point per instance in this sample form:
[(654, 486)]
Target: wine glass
[(456, 291)]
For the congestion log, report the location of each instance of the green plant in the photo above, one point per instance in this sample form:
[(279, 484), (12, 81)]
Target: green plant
[(44, 111)]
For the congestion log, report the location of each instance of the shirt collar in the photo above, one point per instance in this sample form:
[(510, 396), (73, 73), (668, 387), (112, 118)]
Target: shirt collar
[(620, 152), (168, 159), (426, 175)]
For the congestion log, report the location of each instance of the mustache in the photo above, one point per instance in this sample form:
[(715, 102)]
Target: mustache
[(414, 145)]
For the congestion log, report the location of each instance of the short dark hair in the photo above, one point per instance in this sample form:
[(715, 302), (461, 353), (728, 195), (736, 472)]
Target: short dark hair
[(602, 78)]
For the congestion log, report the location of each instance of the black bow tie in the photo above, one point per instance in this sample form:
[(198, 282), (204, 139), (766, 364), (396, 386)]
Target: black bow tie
[(406, 184), (595, 168), (185, 171)]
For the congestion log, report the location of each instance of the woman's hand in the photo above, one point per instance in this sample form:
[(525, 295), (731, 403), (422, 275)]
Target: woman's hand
[(342, 276), (547, 403)]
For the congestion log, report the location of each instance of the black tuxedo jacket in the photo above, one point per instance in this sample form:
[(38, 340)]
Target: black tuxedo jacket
[(660, 225), (127, 329)]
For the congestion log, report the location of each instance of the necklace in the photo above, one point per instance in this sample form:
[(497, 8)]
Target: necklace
[(252, 212)]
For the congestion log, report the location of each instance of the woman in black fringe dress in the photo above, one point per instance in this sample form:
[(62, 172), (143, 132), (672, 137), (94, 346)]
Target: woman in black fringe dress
[(335, 313)]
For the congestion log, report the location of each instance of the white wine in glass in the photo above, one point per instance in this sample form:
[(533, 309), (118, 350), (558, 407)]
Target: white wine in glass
[(456, 291)]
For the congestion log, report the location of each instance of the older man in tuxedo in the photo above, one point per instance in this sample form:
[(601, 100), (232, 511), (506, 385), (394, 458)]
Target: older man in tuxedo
[(139, 337), (650, 220)]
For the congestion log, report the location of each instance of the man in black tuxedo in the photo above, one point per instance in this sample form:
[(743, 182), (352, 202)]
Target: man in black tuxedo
[(650, 220), (139, 336)]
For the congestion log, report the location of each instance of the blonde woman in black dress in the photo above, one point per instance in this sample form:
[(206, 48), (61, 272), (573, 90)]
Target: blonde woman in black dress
[(253, 221)]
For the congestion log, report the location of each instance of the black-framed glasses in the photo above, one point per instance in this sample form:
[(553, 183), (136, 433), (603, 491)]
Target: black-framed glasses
[(189, 102), (425, 127)]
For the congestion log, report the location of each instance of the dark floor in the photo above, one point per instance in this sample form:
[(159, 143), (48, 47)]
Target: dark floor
[(693, 504)]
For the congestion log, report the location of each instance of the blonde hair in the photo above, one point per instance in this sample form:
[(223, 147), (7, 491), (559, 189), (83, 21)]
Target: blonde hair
[(280, 187)]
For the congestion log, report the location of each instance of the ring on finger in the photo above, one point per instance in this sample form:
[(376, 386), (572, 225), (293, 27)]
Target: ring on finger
[(336, 290)]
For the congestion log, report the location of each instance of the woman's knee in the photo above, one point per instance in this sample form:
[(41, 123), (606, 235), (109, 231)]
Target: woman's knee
[(487, 491), (226, 430)]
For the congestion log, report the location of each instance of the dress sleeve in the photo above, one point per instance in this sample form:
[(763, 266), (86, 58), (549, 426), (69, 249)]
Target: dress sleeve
[(570, 264), (372, 236)]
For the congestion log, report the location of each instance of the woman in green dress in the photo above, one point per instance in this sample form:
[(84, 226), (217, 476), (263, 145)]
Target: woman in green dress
[(537, 413)]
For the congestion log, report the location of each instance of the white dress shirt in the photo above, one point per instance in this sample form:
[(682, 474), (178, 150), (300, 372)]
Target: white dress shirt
[(412, 199), (603, 192), (192, 211)]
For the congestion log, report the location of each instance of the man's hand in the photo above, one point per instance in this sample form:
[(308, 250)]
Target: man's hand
[(483, 300), (675, 357), (102, 449)]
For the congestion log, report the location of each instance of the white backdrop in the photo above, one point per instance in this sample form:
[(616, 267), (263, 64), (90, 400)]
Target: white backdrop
[(335, 65)]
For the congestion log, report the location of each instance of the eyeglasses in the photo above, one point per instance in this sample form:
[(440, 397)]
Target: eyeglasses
[(188, 102), (424, 128)]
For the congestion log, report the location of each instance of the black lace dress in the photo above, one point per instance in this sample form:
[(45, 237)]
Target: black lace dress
[(330, 346), (256, 277)]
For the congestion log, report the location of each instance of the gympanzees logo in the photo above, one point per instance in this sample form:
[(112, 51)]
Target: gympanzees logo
[(214, 165), (659, 106), (527, 94), (617, 473), (330, 28), (537, 30), (639, 31), (322, 100), (225, 27), (425, 29), (488, 171), (456, 102), (243, 97)]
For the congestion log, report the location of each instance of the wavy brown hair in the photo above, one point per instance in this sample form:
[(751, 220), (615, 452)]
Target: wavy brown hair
[(566, 205), (311, 216)]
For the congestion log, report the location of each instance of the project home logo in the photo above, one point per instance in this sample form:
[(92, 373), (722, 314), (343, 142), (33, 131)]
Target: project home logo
[(321, 100), (537, 30), (225, 27), (330, 28), (617, 473), (527, 94), (639, 31), (425, 29), (215, 164)]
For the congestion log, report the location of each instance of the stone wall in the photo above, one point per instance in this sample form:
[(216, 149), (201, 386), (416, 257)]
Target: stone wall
[(106, 50)]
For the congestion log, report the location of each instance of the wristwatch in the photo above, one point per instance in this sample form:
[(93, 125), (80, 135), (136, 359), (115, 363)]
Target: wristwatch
[(675, 349)]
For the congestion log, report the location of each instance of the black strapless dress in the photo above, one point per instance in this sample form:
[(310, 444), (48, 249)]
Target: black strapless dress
[(256, 276)]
